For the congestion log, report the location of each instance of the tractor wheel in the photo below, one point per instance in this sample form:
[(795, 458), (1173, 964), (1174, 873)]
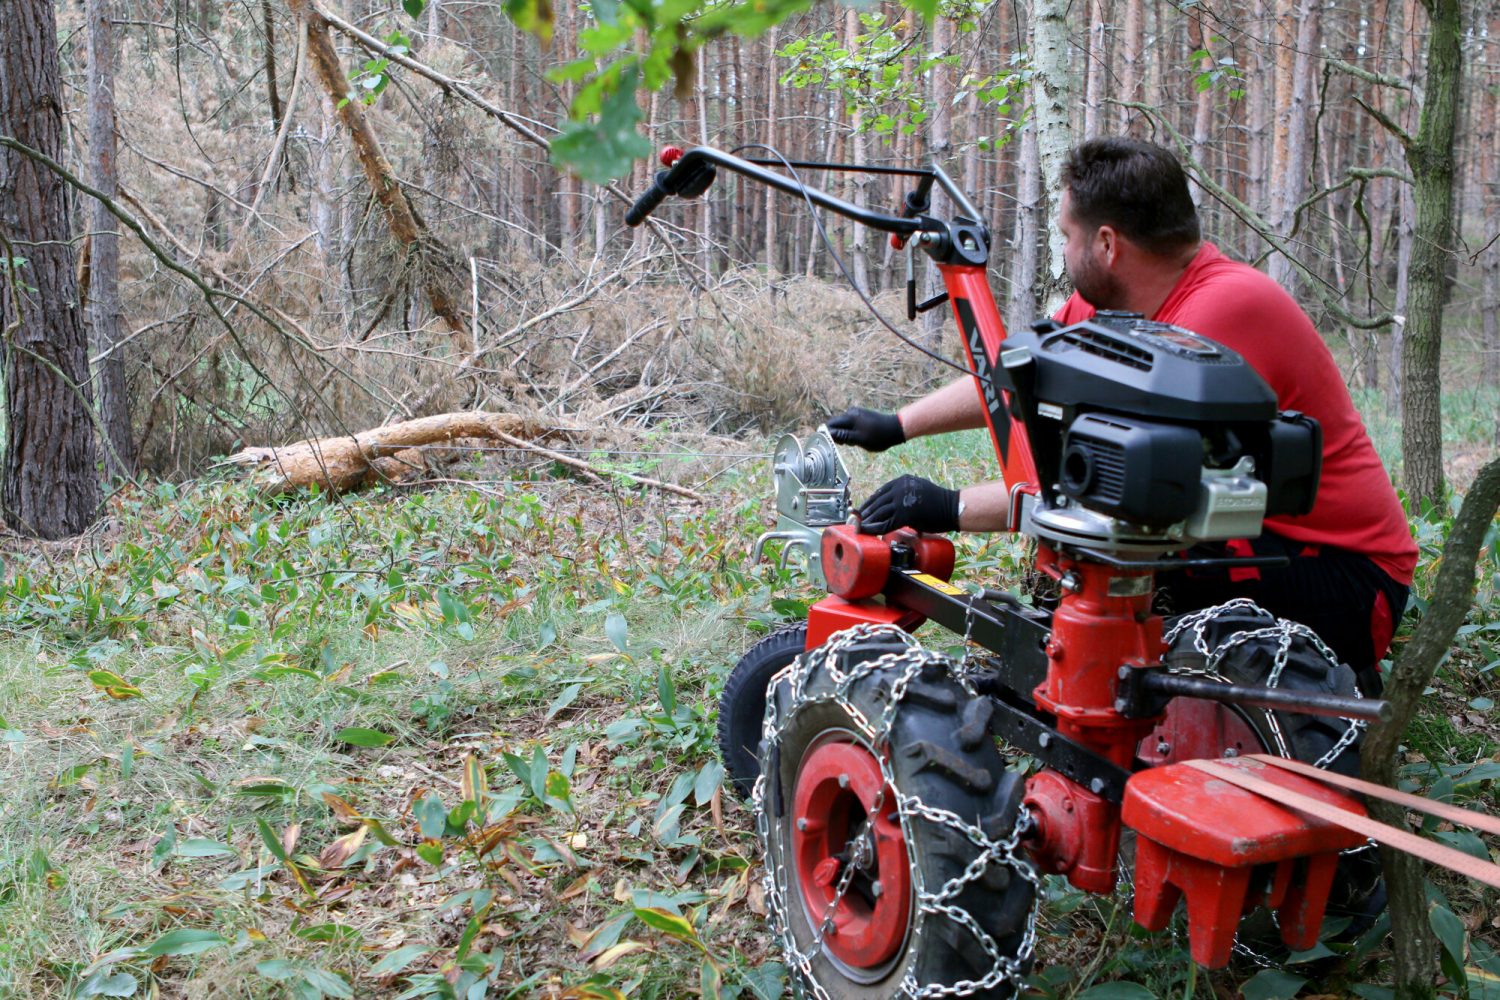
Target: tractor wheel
[(742, 706), (889, 826), (1240, 643)]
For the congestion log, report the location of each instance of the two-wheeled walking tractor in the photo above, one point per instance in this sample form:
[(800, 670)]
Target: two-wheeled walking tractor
[(902, 855)]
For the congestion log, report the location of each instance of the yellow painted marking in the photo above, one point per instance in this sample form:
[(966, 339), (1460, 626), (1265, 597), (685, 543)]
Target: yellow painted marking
[(941, 585)]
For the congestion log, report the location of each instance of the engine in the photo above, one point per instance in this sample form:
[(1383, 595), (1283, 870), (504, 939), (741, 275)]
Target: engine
[(1147, 436)]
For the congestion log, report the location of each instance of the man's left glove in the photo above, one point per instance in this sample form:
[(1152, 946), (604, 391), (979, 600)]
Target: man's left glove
[(909, 501)]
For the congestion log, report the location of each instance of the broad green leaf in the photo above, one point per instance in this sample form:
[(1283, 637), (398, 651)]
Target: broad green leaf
[(399, 959), (617, 630), (164, 847), (105, 982), (414, 7), (332, 985), (518, 767), (605, 149), (199, 847), (708, 782), (432, 816), (539, 772), (276, 969), (710, 981), (356, 736), (564, 699), (668, 923), (559, 791), (185, 941), (269, 838), (1450, 931), (1272, 984), (1116, 991)]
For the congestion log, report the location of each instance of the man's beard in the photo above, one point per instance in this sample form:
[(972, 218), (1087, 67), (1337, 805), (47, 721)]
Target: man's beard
[(1098, 287)]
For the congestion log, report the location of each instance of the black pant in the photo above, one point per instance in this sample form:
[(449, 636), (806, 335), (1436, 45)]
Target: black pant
[(1343, 596)]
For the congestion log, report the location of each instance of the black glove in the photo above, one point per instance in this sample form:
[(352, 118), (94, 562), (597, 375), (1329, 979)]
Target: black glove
[(870, 429), (909, 501)]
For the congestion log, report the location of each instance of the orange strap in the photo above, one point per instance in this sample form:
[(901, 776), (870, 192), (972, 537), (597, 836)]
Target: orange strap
[(1464, 817), (1401, 840)]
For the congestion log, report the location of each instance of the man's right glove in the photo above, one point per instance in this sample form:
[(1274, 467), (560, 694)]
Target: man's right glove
[(870, 429), (909, 501)]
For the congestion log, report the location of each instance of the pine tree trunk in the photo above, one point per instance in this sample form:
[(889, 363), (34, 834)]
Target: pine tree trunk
[(773, 91), (1098, 55), (1430, 157), (51, 486), (103, 293)]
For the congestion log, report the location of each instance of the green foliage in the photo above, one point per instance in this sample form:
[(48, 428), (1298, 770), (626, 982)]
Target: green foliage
[(370, 82), (599, 141), (1222, 74), (881, 94)]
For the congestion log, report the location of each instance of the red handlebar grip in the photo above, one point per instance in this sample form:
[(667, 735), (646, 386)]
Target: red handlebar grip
[(670, 155)]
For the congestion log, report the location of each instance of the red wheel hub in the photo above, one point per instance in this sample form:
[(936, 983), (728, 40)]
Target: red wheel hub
[(1193, 729), (840, 818)]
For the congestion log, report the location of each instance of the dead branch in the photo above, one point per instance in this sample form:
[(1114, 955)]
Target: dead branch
[(403, 221), (597, 473), (1369, 76)]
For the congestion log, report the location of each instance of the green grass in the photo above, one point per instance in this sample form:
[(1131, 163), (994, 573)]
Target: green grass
[(241, 637)]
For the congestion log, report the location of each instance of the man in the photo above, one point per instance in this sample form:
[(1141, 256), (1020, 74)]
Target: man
[(1132, 243)]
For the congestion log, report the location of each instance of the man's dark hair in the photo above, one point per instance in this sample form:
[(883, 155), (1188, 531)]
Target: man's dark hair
[(1137, 187)]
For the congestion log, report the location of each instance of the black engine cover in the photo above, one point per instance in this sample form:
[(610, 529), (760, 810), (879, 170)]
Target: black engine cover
[(1124, 414)]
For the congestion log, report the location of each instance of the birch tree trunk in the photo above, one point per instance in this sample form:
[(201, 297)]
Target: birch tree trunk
[(1054, 93), (103, 294), (51, 489), (1021, 304)]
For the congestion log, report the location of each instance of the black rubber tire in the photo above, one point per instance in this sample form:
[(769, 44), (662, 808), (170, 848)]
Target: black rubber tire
[(941, 753), (1358, 891), (742, 705)]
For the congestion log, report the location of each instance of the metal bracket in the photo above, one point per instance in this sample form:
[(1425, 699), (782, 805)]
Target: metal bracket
[(1077, 763)]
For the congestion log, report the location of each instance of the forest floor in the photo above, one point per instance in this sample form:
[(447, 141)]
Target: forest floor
[(458, 739)]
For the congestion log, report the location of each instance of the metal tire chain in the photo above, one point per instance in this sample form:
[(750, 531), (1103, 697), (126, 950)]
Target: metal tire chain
[(1284, 630), (1005, 969)]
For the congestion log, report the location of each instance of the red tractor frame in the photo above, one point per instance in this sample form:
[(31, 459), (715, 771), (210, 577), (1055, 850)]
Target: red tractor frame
[(901, 850)]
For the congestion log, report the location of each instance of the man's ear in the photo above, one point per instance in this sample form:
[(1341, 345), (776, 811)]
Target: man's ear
[(1107, 239)]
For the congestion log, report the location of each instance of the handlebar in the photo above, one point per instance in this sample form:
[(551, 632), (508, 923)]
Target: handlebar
[(691, 175), (646, 203)]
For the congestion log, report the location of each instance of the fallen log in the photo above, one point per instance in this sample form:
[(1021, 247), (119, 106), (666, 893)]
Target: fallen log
[(393, 453), (384, 454)]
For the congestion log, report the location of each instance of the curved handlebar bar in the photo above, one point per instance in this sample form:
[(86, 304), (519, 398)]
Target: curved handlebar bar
[(646, 203), (691, 175)]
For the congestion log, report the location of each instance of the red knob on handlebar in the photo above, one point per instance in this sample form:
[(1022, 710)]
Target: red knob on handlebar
[(670, 155), (898, 242)]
